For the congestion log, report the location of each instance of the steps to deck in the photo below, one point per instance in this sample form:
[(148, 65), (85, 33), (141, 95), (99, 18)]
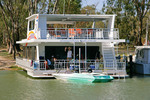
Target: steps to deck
[(109, 56)]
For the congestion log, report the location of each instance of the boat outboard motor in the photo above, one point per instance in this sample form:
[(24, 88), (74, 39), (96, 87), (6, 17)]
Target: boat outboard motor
[(90, 70)]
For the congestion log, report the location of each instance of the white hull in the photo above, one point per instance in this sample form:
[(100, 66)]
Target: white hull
[(142, 68)]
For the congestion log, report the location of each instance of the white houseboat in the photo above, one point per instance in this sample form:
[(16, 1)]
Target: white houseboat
[(50, 35), (142, 60)]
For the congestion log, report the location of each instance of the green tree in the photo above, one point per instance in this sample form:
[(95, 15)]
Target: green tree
[(128, 12), (141, 7), (12, 12)]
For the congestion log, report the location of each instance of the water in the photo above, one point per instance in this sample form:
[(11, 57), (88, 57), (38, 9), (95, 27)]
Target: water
[(16, 85)]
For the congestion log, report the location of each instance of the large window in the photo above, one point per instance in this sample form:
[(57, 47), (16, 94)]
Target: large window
[(29, 52), (33, 50), (59, 52), (31, 25)]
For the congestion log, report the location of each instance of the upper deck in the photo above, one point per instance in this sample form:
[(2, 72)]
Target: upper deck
[(45, 26), (80, 33)]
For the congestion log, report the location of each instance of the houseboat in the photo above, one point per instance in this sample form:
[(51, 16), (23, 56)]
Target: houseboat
[(142, 60), (53, 42)]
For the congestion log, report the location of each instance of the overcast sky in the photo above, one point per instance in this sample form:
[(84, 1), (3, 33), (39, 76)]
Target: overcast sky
[(90, 2)]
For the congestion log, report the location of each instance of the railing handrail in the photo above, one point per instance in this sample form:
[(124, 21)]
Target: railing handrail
[(82, 33), (41, 65), (83, 28)]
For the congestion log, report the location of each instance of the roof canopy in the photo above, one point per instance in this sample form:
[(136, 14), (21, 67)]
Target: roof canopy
[(72, 17)]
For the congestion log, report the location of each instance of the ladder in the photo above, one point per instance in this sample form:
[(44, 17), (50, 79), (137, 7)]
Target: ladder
[(109, 58)]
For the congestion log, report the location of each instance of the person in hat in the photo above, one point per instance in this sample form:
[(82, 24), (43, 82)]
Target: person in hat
[(69, 55)]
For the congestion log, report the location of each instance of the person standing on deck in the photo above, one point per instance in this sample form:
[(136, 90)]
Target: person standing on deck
[(69, 55)]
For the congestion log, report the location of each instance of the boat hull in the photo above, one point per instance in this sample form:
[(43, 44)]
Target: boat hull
[(85, 77), (97, 80)]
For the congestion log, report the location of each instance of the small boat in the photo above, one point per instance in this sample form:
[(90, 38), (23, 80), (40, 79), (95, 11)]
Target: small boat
[(92, 77)]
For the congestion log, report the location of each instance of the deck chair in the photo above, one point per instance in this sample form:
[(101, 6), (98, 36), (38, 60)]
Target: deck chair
[(79, 32), (71, 33), (90, 33), (51, 31), (63, 33)]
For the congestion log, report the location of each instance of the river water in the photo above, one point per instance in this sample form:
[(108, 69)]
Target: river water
[(16, 85)]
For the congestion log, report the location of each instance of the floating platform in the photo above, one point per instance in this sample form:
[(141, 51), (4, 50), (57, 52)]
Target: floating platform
[(120, 76), (44, 77)]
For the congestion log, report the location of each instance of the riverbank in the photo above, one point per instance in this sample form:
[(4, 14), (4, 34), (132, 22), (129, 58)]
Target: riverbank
[(6, 61)]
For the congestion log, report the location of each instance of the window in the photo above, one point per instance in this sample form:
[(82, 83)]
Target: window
[(24, 52), (31, 25), (29, 52), (140, 53), (33, 53)]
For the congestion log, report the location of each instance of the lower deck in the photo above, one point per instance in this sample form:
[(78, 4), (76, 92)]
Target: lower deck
[(39, 69)]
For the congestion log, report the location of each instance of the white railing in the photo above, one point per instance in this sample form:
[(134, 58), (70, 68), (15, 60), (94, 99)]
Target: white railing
[(80, 33), (26, 64), (32, 65), (94, 64), (64, 64)]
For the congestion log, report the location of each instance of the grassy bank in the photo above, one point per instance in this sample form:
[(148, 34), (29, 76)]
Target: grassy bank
[(5, 54), (6, 59), (11, 68)]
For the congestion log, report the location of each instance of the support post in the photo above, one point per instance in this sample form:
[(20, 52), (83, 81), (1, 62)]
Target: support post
[(85, 54), (79, 59), (37, 48), (74, 57)]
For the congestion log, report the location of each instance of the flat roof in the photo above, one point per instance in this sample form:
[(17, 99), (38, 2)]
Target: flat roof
[(64, 41), (72, 17)]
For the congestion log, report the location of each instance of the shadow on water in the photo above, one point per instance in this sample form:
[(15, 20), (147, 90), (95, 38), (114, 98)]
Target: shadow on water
[(71, 81), (140, 76)]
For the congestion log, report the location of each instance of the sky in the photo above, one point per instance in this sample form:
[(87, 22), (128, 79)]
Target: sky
[(90, 2)]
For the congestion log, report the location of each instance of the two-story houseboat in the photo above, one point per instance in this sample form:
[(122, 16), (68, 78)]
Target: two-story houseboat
[(51, 36)]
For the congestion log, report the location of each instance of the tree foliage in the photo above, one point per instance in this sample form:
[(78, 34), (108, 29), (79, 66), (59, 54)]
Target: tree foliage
[(13, 13), (130, 17)]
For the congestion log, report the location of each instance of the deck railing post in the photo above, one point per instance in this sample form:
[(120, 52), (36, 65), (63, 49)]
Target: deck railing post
[(39, 65), (113, 64), (87, 33), (56, 32), (102, 33), (64, 64), (45, 64), (95, 64)]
